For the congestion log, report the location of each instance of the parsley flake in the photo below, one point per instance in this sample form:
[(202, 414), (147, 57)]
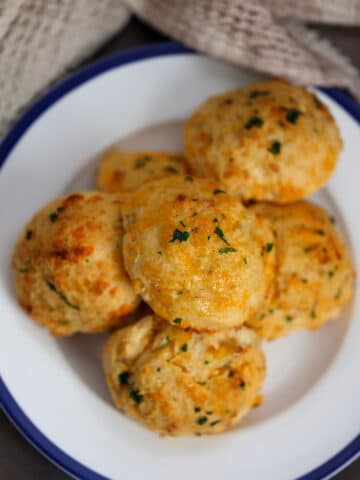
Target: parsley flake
[(53, 217), (242, 385), (227, 250), (201, 420), (217, 191), (197, 409), (177, 320), (179, 235), (184, 347), (124, 378), (259, 93), (188, 178), (269, 247), (275, 147), (292, 115), (171, 169), (289, 318), (165, 341), (221, 235), (140, 162), (61, 294), (136, 396), (215, 422), (254, 122)]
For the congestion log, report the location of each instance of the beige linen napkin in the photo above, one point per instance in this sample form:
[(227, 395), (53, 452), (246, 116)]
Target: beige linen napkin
[(40, 40)]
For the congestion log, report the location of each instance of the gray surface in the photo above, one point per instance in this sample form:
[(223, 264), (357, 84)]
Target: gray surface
[(18, 459)]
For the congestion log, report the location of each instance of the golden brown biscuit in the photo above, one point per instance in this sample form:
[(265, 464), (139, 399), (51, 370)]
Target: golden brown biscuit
[(124, 171), (269, 141), (195, 254), (68, 268), (314, 277), (179, 382)]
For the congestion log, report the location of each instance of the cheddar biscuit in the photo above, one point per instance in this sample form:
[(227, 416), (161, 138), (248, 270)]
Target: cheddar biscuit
[(125, 171), (180, 382), (68, 268), (195, 254), (270, 141), (314, 277)]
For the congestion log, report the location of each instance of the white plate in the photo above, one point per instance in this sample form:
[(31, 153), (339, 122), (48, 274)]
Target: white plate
[(54, 389)]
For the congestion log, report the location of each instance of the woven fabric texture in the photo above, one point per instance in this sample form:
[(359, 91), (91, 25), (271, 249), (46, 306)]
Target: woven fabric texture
[(261, 34), (41, 40)]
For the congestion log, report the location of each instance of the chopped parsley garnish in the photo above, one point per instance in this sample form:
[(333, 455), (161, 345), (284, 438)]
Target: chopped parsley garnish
[(201, 420), (206, 362), (184, 347), (29, 234), (338, 294), (275, 147), (53, 217), (227, 101), (217, 191), (177, 320), (304, 280), (331, 274), (171, 169), (227, 250), (269, 247), (124, 378), (136, 396), (254, 122), (289, 318), (209, 237), (320, 232), (188, 178), (23, 270), (197, 409), (61, 294), (313, 312), (215, 422), (221, 235), (292, 115), (158, 369), (179, 235), (140, 162), (259, 93), (242, 385), (165, 341)]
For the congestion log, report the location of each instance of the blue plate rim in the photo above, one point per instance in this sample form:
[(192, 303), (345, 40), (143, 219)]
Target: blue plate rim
[(7, 401)]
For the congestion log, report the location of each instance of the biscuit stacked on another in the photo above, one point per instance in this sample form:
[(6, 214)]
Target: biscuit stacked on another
[(218, 267)]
